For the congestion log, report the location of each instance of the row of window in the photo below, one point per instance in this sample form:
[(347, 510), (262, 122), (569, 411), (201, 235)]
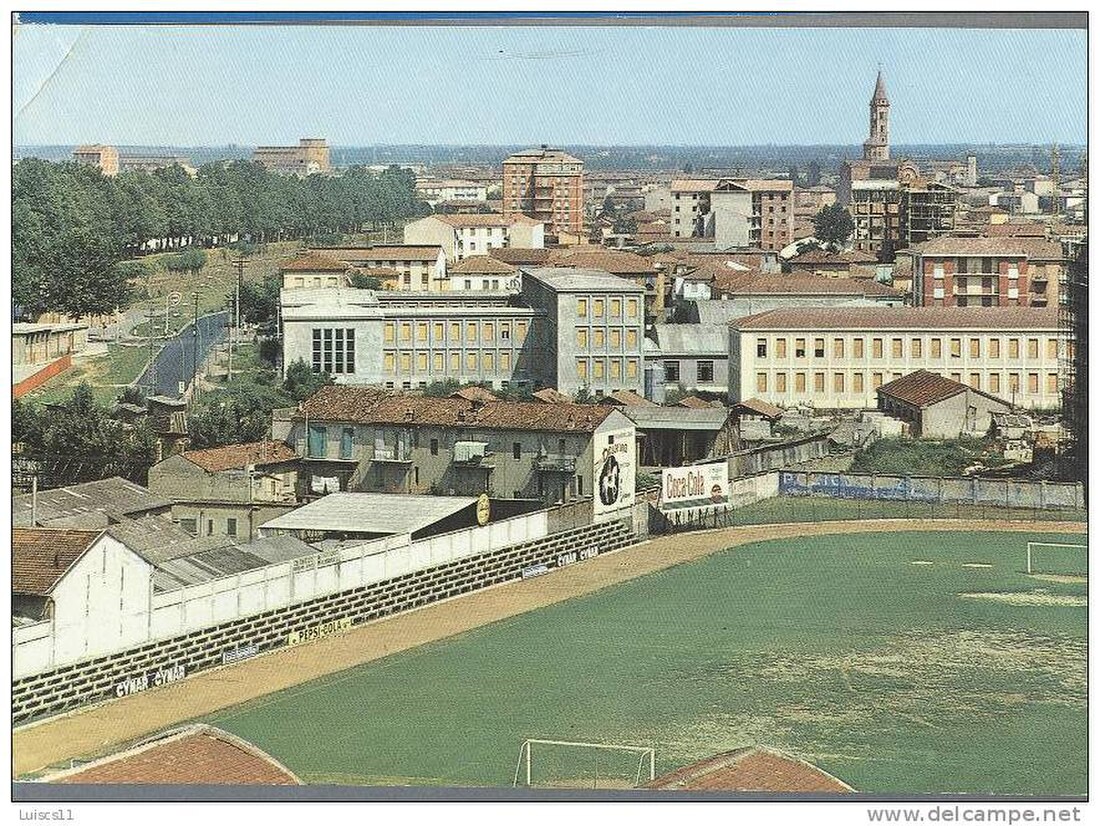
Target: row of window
[(393, 363), (897, 348), (388, 444), (704, 371), (611, 368), (452, 331), (854, 382), (613, 338), (613, 306)]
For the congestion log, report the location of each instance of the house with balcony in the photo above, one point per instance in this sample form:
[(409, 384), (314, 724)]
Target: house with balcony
[(361, 439)]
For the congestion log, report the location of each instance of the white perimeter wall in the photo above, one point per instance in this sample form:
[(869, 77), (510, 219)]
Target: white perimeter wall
[(139, 616)]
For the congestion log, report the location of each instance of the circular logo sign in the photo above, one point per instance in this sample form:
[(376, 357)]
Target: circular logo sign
[(609, 481), (483, 509)]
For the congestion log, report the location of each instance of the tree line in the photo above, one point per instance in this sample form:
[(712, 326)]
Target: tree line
[(72, 226)]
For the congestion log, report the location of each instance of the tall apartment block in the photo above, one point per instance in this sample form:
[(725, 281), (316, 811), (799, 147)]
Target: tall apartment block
[(734, 212), (309, 157), (988, 272), (547, 185)]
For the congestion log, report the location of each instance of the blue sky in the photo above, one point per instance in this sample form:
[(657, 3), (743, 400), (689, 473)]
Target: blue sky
[(362, 85)]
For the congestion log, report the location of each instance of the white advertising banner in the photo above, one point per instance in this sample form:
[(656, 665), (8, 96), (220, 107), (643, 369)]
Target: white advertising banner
[(695, 486), (614, 455)]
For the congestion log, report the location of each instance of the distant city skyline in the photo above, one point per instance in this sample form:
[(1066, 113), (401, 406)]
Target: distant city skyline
[(606, 86)]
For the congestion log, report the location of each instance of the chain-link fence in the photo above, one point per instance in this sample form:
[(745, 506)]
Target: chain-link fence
[(782, 509)]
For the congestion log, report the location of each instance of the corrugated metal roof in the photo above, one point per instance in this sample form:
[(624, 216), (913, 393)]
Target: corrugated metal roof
[(374, 513), (677, 418), (692, 339), (105, 500)]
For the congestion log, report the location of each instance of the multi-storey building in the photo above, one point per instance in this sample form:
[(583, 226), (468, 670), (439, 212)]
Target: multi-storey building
[(401, 443), (98, 155), (435, 190), (638, 269), (987, 272), (547, 185), (313, 271), (408, 340), (309, 157), (475, 234), (836, 358), (417, 267), (483, 272), (734, 212), (593, 329)]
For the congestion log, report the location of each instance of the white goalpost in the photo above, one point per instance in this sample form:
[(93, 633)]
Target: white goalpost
[(635, 764), (1035, 548)]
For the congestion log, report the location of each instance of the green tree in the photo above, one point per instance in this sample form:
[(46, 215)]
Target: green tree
[(260, 300), (237, 413), (365, 281), (301, 382), (833, 226)]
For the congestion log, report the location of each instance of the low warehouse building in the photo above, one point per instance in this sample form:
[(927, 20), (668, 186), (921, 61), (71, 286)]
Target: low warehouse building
[(939, 408)]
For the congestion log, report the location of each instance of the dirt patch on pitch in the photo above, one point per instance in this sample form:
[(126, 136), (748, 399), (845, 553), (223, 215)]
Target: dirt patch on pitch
[(838, 707), (1064, 579), (1031, 599)]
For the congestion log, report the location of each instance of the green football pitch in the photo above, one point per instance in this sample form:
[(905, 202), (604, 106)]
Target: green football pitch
[(902, 662)]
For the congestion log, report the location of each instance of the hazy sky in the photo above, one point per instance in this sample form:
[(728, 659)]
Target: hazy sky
[(361, 85)]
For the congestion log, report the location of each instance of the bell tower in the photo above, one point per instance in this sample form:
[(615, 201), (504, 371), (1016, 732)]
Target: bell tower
[(877, 145)]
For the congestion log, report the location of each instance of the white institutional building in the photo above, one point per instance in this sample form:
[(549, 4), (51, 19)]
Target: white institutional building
[(835, 358)]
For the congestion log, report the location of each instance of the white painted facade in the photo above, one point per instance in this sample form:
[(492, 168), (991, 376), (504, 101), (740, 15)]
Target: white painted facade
[(82, 629), (840, 369)]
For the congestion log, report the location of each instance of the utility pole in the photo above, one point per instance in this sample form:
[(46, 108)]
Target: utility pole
[(234, 322), (195, 350), (152, 356)]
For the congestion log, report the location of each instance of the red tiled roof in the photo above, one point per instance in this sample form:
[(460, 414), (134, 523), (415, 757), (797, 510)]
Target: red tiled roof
[(694, 402), (362, 405), (752, 283), (1038, 248), (612, 261), (474, 393), (519, 255), (820, 256), (627, 398), (41, 556), (760, 407), (197, 754), (482, 265), (922, 388), (752, 770), (232, 457), (312, 262), (902, 318), (548, 395)]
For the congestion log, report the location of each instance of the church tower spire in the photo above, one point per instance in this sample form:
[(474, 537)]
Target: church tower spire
[(877, 145)]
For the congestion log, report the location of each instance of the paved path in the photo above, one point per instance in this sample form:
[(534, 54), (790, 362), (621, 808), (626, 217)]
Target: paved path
[(175, 362), (106, 727)]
